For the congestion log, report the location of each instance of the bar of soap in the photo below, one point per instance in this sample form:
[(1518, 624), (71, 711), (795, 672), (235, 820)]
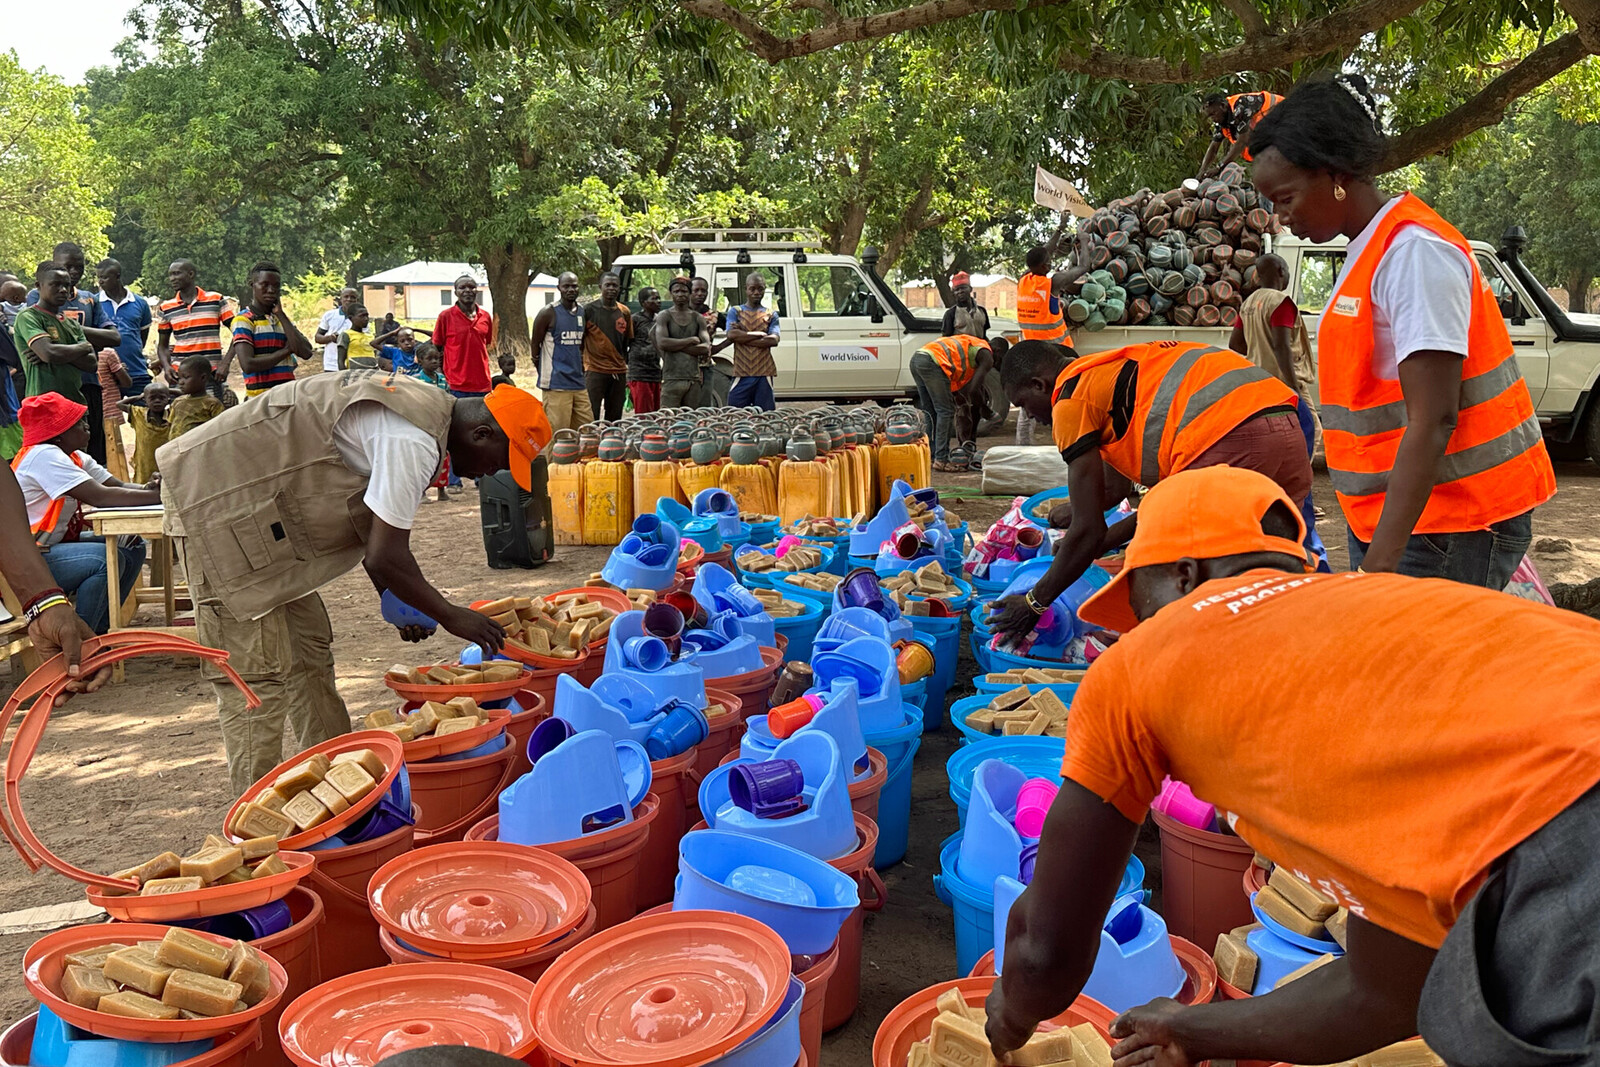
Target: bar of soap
[(212, 863), (271, 799), (463, 705), (136, 1006), (1310, 901), (201, 993), (213, 841), (249, 970), (186, 950), (273, 864), (398, 673), (302, 776), (84, 986), (257, 821), (381, 717), (258, 848), (240, 873), (1412, 1053), (403, 730), (92, 957), (1089, 1049), (138, 969), (1043, 1049), (163, 866), (423, 720), (331, 798), (1236, 963), (1338, 925), (307, 811), (364, 758), (1300, 972), (440, 676), (442, 711), (162, 886), (957, 1040), (951, 1000), (350, 780), (1274, 906), (920, 1056), (456, 726)]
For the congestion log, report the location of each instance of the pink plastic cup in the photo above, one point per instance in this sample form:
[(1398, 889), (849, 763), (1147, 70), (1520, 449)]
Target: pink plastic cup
[(1177, 801), (1033, 804)]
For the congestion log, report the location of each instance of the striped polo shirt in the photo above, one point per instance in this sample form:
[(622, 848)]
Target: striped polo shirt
[(262, 333), (196, 329)]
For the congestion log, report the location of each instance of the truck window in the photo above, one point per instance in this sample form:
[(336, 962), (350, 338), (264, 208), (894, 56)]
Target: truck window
[(1505, 293), (1318, 272), (636, 278), (835, 290), (727, 288)]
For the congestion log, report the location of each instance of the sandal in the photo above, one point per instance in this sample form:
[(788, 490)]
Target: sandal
[(945, 467)]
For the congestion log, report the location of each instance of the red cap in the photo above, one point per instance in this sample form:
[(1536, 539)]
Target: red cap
[(1205, 513), (522, 418), (47, 416), (960, 277)]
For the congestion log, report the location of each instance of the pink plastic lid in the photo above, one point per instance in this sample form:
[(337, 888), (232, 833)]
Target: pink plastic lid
[(673, 990), (478, 900), (365, 1017)]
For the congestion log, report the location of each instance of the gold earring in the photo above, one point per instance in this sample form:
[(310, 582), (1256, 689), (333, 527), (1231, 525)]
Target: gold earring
[(1338, 192)]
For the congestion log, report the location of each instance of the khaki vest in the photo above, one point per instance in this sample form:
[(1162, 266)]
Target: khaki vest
[(270, 510)]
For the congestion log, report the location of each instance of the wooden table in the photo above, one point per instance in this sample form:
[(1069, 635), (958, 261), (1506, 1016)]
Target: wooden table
[(112, 523)]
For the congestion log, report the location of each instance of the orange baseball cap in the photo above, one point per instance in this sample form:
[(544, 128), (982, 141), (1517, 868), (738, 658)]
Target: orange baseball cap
[(522, 418), (1203, 513)]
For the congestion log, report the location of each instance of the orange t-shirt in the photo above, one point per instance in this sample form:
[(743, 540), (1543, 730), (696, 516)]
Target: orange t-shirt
[(1098, 411), (1385, 737)]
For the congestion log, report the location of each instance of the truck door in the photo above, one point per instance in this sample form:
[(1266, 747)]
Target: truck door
[(842, 351), (1530, 334), (727, 290)]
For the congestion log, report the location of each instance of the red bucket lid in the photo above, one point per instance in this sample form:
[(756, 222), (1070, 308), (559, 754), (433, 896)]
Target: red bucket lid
[(478, 900), (389, 748), (672, 990), (362, 1018), (44, 964)]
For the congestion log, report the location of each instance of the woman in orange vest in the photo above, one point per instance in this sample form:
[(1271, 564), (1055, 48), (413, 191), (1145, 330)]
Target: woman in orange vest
[(57, 478), (948, 370), (1432, 442), (1147, 411), (1235, 116)]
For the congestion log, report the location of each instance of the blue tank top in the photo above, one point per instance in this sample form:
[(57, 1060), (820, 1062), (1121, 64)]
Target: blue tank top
[(561, 355)]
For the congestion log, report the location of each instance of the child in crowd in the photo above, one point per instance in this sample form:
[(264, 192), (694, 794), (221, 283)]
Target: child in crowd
[(195, 406), (114, 378), (147, 414), (430, 368), (400, 354), (355, 343)]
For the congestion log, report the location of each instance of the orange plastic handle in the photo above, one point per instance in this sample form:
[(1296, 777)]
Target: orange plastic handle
[(44, 687), (875, 894)]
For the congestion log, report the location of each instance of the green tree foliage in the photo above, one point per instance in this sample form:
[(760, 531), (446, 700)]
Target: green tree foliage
[(52, 177)]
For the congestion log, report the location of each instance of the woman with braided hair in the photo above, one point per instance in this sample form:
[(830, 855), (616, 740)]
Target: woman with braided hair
[(1432, 442)]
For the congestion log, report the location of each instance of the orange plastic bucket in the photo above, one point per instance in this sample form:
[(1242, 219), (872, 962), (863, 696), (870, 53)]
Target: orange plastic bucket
[(1255, 879), (451, 795), (16, 1046), (912, 1019), (1201, 875), (530, 966), (753, 687), (726, 732), (674, 782), (1200, 981), (296, 948), (536, 709), (609, 859), (816, 979), (864, 792), (543, 684), (349, 940)]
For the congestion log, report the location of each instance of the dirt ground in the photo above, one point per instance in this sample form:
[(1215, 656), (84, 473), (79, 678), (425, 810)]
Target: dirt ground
[(138, 768)]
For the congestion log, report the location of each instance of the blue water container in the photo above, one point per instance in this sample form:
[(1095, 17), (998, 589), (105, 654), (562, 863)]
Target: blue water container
[(803, 899), (899, 747)]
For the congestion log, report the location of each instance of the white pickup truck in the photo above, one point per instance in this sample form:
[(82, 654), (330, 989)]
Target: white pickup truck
[(1558, 351), (845, 335)]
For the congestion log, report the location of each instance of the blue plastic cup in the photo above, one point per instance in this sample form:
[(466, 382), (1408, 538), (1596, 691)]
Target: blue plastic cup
[(768, 789), (253, 923), (547, 736), (683, 728), (647, 525), (646, 653)]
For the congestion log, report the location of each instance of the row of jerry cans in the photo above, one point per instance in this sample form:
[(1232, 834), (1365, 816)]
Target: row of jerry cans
[(595, 502)]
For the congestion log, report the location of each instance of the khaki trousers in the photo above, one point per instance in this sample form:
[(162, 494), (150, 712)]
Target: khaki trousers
[(286, 656), (567, 409)]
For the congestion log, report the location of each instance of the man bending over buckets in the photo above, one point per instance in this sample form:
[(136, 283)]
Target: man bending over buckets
[(1423, 751)]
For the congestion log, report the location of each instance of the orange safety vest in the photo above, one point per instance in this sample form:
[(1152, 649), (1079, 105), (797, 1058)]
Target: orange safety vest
[(1495, 465), (1038, 322), (1267, 102), (52, 514), (957, 356), (1190, 396)]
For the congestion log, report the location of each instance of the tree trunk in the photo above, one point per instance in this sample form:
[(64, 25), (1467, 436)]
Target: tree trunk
[(845, 236), (1578, 283), (611, 248), (510, 268)]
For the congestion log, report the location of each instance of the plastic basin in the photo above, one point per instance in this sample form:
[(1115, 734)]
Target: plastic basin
[(721, 871), (912, 1019), (530, 965), (1036, 757)]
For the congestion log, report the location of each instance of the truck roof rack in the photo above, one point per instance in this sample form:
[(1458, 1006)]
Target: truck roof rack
[(733, 238)]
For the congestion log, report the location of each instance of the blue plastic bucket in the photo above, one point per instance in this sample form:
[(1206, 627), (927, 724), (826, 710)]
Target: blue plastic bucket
[(958, 716), (979, 636), (1065, 690), (801, 630), (769, 579), (839, 562), (915, 693), (1036, 757), (945, 636), (1006, 661), (899, 747), (778, 1041), (791, 591)]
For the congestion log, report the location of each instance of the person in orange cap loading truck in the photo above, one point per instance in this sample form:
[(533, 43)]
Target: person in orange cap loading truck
[(1405, 780), (273, 499)]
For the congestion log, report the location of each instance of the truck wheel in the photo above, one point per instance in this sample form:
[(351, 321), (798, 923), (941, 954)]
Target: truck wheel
[(1590, 433), (997, 402)]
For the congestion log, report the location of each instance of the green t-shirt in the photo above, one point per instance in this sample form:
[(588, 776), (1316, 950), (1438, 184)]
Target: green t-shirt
[(42, 377)]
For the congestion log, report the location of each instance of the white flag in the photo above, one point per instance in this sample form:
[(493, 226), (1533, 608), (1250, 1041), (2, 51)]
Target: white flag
[(1058, 194)]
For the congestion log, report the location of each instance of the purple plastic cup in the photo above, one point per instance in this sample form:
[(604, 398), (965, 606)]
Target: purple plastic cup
[(547, 736), (860, 589), (253, 923), (768, 789), (1030, 853), (663, 620)]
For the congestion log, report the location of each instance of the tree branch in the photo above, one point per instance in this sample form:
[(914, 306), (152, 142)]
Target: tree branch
[(1488, 105), (828, 12), (1586, 13), (1249, 16)]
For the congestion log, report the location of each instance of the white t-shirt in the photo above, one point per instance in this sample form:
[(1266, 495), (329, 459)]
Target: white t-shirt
[(332, 322), (399, 459), (47, 474), (1421, 295)]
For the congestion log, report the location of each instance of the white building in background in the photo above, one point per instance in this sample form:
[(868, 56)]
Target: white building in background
[(421, 289)]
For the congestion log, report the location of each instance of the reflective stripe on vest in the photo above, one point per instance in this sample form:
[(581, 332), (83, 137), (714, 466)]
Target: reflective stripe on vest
[(1033, 311), (957, 356), (1495, 465), (1197, 392)]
